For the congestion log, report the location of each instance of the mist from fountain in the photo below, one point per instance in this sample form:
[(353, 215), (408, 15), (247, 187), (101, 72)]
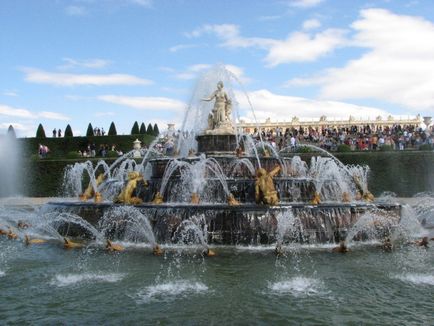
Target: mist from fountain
[(10, 165)]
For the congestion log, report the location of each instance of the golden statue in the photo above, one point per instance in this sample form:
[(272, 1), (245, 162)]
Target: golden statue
[(232, 201), (195, 198), (346, 198), (68, 244), (265, 191), (266, 153), (158, 199), (29, 241), (316, 199), (157, 251), (126, 195), (110, 246), (90, 192), (364, 194), (12, 235), (208, 252)]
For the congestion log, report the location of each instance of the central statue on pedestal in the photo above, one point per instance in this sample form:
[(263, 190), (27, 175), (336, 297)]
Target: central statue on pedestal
[(219, 120)]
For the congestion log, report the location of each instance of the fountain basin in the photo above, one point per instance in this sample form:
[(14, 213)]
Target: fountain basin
[(245, 224)]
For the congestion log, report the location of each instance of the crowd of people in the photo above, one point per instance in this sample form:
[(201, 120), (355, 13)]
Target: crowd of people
[(103, 150), (356, 138)]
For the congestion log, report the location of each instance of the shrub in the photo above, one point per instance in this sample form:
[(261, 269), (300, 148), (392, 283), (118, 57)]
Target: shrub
[(40, 132), (11, 132), (73, 155), (68, 131), (156, 131), (89, 132), (112, 130), (386, 148), (344, 148), (143, 129), (303, 149), (112, 154), (425, 147), (135, 130), (150, 130)]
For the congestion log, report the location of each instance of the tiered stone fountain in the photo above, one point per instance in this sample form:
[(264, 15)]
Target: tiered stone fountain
[(236, 191)]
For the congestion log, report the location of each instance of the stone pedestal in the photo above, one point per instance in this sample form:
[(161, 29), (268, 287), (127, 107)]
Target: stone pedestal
[(212, 144)]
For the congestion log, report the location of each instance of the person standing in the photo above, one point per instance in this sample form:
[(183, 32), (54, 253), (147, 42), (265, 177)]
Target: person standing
[(59, 133), (54, 132)]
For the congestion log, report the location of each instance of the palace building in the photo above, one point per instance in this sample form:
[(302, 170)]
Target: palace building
[(324, 122)]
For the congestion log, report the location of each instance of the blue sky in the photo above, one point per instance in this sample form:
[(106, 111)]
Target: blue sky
[(80, 61)]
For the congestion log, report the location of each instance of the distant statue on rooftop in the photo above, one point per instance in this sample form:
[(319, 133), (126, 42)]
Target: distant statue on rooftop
[(220, 116)]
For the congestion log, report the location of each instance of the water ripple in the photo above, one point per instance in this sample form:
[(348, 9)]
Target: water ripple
[(170, 290), (297, 286), (418, 279), (73, 279)]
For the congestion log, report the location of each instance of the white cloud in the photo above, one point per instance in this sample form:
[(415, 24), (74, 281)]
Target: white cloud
[(76, 11), (311, 24), (64, 79), (398, 66), (27, 114), (15, 125), (142, 3), (14, 112), (239, 73), (305, 3), (10, 93), (180, 47), (104, 114), (89, 63), (192, 71), (301, 47), (298, 47), (283, 108), (145, 103), (53, 116)]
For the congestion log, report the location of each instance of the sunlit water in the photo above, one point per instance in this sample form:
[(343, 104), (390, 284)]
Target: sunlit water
[(46, 284)]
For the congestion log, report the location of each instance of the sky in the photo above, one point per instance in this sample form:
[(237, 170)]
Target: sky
[(96, 61)]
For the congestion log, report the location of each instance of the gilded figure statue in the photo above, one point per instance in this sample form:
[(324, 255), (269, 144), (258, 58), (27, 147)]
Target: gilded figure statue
[(265, 191), (127, 194)]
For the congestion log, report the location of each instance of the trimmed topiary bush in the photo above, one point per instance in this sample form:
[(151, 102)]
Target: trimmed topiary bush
[(40, 132), (112, 130), (135, 130), (143, 129), (112, 154), (303, 149), (156, 131), (425, 147), (73, 155), (386, 148), (11, 132), (68, 131), (150, 130), (343, 148), (89, 131)]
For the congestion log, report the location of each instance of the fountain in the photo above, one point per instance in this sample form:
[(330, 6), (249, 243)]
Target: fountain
[(242, 188)]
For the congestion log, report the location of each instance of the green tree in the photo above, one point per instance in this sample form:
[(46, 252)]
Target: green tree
[(11, 132), (156, 130), (142, 128), (89, 131), (68, 131), (40, 132), (150, 130), (112, 130), (135, 130)]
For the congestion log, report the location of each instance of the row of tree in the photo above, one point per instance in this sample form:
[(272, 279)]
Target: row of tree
[(135, 130)]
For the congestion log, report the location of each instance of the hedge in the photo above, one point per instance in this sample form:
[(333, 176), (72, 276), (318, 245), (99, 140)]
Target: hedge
[(60, 147)]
